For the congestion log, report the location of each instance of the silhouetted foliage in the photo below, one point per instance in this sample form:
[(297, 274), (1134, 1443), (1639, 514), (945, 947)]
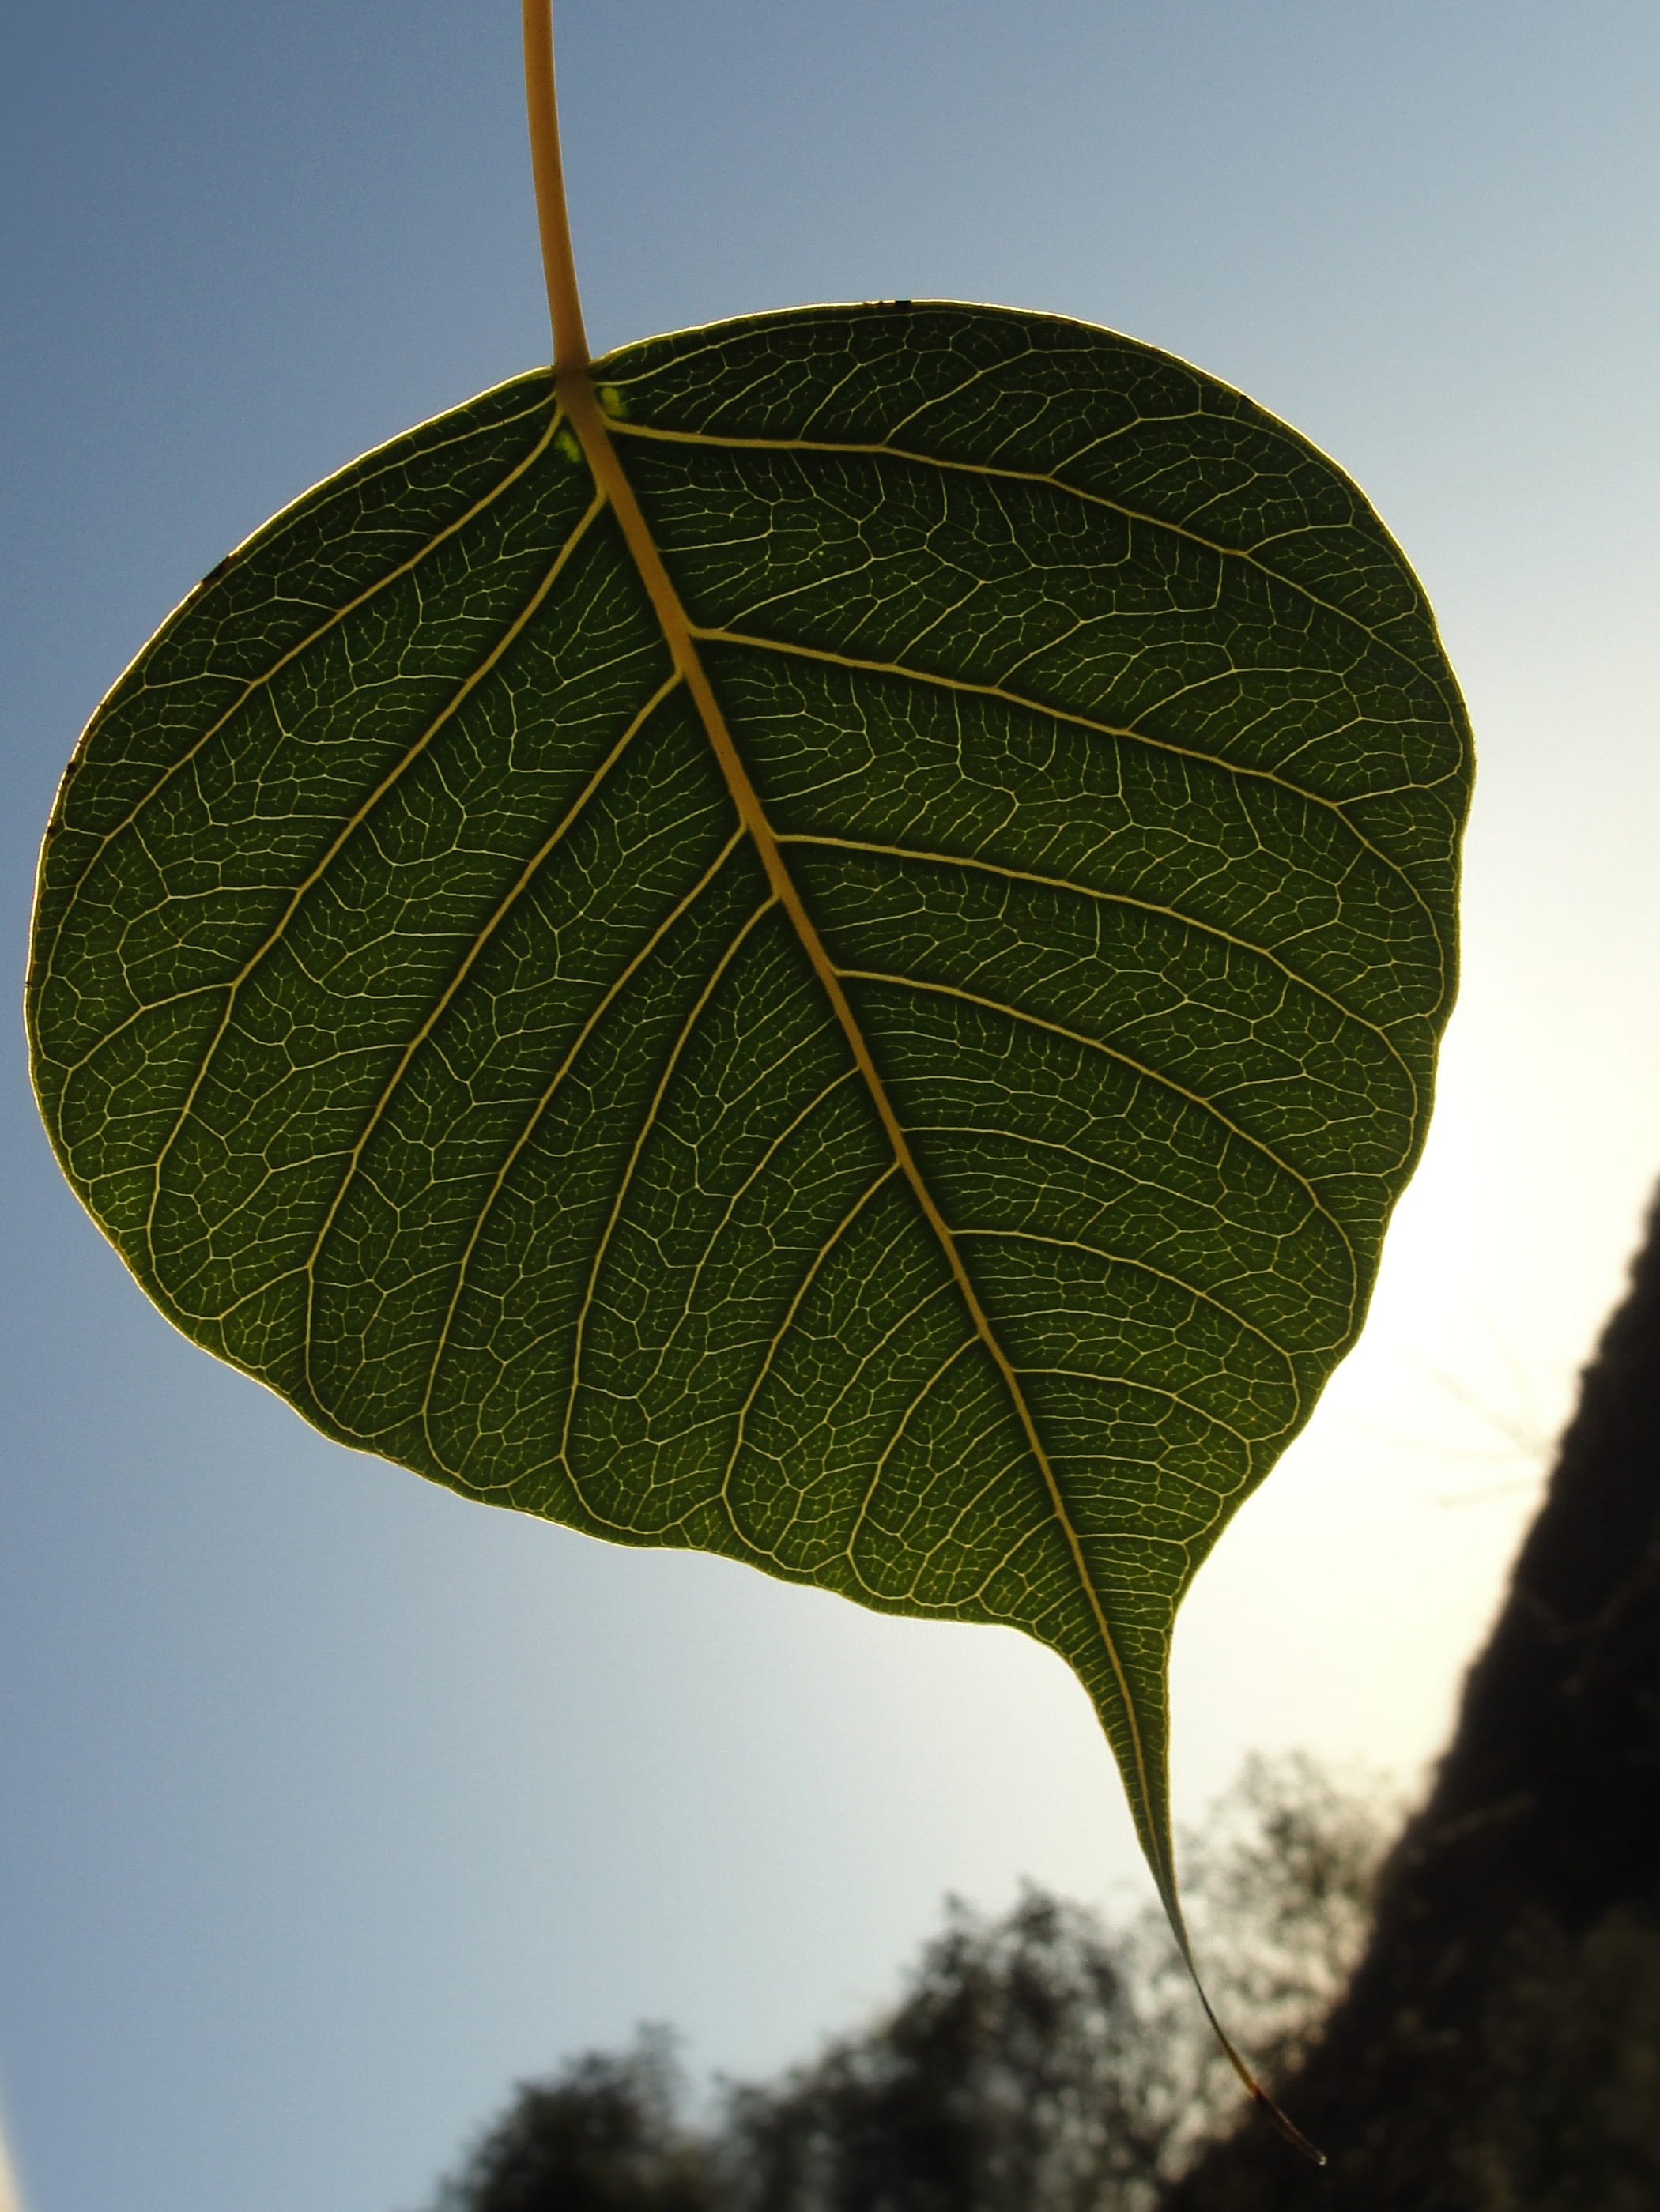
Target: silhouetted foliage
[(1018, 2071), (601, 2137), (1498, 2049), (1039, 2062)]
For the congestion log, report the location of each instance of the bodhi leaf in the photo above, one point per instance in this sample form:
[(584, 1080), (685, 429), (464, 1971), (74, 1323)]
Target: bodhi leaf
[(836, 959)]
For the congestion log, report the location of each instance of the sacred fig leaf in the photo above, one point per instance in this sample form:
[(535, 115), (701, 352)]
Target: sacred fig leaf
[(828, 947)]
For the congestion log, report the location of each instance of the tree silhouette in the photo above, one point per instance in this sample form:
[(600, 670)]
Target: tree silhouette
[(1039, 2060), (1499, 2045), (601, 2137)]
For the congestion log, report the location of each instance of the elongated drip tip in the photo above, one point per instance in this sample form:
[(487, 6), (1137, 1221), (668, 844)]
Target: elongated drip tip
[(1281, 2122)]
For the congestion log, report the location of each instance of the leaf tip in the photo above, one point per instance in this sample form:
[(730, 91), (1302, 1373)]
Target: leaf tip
[(1285, 2126)]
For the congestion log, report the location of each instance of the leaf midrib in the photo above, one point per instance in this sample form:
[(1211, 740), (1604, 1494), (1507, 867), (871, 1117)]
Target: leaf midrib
[(588, 418)]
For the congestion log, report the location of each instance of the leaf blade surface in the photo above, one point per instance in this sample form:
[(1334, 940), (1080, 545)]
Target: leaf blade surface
[(836, 959)]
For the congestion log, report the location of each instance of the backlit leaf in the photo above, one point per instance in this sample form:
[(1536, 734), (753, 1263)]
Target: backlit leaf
[(844, 971)]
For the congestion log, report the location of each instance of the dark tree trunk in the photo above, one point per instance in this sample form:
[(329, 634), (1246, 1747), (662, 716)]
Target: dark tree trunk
[(1498, 2049)]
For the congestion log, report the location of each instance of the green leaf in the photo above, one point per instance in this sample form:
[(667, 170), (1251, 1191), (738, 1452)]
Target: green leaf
[(838, 962)]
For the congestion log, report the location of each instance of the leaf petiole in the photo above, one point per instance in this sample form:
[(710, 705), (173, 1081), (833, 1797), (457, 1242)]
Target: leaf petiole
[(570, 344)]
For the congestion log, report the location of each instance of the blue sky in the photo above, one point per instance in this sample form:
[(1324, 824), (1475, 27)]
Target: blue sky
[(329, 1804)]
